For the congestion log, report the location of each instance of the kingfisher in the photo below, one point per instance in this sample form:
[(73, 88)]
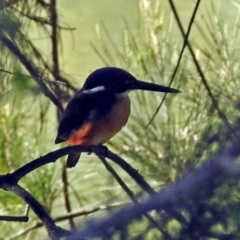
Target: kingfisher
[(100, 109)]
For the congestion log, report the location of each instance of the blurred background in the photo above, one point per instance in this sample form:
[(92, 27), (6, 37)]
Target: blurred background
[(58, 44)]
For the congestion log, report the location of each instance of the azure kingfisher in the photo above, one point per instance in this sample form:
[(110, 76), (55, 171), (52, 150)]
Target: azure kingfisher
[(100, 109)]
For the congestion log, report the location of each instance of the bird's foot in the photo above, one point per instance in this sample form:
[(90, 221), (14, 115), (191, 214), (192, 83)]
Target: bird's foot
[(105, 150), (89, 152)]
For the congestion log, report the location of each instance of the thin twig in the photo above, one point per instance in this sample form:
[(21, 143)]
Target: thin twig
[(54, 38), (171, 197), (185, 40), (55, 72), (203, 78), (46, 65), (23, 218), (54, 231), (131, 171), (31, 69), (56, 81), (9, 218), (118, 179), (130, 193), (65, 217), (66, 199)]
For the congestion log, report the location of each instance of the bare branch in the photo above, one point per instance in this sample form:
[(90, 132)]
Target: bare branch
[(54, 38), (23, 218), (131, 171), (34, 72), (98, 150), (66, 199), (185, 40), (74, 214), (54, 231), (9, 218), (199, 69), (171, 197), (9, 182)]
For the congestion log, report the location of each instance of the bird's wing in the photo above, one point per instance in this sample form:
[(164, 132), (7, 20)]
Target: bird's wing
[(76, 113), (81, 109)]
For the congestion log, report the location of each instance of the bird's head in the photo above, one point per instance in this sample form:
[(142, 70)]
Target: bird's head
[(119, 81)]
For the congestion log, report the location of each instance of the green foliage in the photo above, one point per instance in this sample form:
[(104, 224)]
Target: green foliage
[(23, 138), (9, 24), (22, 84), (186, 131), (163, 147)]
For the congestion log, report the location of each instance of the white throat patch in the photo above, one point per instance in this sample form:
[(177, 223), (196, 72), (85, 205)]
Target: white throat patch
[(94, 90)]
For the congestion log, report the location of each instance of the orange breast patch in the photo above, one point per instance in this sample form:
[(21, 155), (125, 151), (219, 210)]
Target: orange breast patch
[(99, 132)]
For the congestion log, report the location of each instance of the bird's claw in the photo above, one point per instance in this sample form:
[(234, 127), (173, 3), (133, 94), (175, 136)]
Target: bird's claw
[(89, 152), (105, 150)]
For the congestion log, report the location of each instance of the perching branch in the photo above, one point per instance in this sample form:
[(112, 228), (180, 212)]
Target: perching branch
[(9, 182), (98, 150), (170, 198)]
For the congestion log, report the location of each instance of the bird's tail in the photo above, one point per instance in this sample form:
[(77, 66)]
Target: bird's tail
[(72, 160)]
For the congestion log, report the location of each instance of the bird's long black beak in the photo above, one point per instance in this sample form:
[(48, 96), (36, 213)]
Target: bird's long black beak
[(140, 85)]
